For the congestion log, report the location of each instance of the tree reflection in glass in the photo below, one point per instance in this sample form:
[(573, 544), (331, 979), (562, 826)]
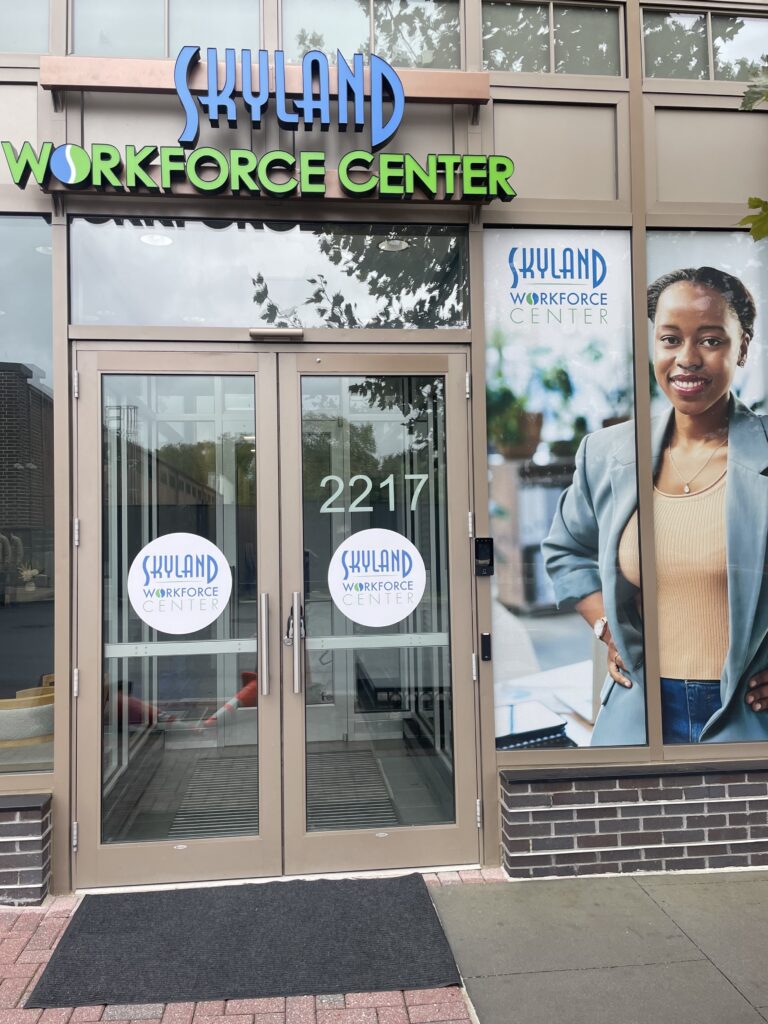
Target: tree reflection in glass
[(675, 45), (305, 24), (516, 37), (417, 33), (271, 274), (738, 45), (587, 40), (419, 283)]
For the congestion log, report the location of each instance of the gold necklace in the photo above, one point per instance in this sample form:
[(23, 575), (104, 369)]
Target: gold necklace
[(687, 483)]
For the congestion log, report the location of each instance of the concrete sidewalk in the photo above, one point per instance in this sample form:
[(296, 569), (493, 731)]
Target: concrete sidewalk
[(646, 949)]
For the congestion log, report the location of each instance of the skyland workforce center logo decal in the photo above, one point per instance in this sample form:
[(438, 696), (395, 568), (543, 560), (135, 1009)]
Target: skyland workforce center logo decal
[(376, 577), (179, 583), (563, 281)]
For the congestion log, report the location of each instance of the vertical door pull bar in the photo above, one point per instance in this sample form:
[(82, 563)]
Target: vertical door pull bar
[(264, 644), (298, 633)]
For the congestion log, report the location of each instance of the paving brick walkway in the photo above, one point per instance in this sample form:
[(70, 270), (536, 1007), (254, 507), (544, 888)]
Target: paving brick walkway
[(29, 935)]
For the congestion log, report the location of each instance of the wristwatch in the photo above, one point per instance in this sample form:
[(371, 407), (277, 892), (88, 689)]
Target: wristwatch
[(600, 627)]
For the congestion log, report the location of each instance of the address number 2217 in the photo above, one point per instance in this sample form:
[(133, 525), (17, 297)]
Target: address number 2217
[(356, 503)]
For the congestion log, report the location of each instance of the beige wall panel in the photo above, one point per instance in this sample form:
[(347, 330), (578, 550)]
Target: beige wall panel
[(18, 120), (147, 120), (426, 128), (733, 167), (333, 143), (561, 151)]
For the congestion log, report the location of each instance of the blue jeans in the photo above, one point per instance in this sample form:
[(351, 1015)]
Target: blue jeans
[(686, 707)]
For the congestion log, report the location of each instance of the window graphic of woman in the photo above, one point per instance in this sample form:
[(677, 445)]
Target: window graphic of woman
[(710, 526)]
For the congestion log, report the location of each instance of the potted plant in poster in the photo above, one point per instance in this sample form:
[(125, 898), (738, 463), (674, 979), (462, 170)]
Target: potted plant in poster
[(514, 431)]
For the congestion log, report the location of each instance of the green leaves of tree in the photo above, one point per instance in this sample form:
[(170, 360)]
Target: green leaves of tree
[(756, 222)]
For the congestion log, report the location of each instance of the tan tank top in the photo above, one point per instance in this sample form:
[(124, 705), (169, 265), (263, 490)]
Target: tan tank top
[(691, 577)]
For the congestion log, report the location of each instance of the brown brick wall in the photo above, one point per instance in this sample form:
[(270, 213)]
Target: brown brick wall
[(589, 826), (25, 849)]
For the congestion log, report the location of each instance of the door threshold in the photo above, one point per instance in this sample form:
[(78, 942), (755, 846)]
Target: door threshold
[(169, 886)]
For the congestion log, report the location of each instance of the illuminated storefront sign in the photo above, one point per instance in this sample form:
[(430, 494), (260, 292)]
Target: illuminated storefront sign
[(312, 107), (277, 173)]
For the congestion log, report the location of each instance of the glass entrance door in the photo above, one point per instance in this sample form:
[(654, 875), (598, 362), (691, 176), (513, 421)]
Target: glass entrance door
[(177, 717), (376, 648), (274, 619)]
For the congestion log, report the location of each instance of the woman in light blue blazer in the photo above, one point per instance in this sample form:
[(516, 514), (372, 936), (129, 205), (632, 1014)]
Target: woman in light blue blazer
[(708, 443)]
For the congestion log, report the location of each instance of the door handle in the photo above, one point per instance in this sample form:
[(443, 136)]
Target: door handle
[(264, 644), (293, 637), (288, 635)]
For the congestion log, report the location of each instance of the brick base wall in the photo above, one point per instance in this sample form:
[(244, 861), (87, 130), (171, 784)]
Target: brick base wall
[(25, 849), (589, 826)]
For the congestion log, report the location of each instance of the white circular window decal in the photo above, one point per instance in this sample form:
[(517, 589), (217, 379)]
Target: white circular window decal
[(179, 583), (376, 577)]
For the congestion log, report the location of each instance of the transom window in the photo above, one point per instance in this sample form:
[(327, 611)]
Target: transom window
[(703, 45), (549, 37)]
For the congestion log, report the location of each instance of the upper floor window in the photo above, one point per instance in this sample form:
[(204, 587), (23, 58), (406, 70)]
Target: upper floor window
[(549, 37), (24, 29), (159, 28), (407, 33), (703, 45)]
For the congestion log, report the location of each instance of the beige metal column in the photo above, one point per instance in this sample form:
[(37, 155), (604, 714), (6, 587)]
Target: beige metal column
[(642, 374)]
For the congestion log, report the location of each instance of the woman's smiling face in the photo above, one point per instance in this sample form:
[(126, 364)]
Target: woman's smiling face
[(698, 341)]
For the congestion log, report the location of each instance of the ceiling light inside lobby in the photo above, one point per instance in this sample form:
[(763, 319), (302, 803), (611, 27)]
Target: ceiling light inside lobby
[(393, 244), (156, 239)]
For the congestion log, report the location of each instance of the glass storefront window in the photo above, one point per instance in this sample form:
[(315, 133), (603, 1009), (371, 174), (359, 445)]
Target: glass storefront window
[(24, 29), (707, 310), (417, 33), (563, 488), (111, 28), (587, 41), (26, 496), (675, 44), (521, 37), (247, 274), (407, 33), (309, 25), (738, 45), (516, 37), (226, 23), (106, 28)]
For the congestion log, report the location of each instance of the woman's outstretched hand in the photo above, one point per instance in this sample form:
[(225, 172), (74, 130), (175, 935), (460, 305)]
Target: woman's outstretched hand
[(591, 608), (757, 691), (616, 667)]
